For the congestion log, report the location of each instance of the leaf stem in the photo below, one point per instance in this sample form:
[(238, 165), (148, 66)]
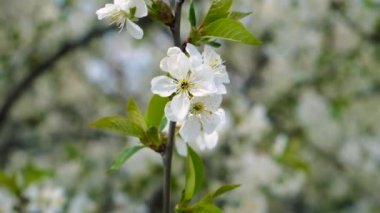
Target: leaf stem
[(168, 153)]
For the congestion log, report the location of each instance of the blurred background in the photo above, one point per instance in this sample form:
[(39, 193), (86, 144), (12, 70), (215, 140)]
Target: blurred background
[(303, 109)]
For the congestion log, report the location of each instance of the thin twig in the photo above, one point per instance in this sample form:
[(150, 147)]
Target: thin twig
[(168, 153), (15, 94)]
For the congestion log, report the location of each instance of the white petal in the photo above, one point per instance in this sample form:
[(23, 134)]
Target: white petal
[(163, 86), (164, 64), (212, 102), (220, 88), (120, 2), (181, 66), (222, 77), (180, 105), (134, 30), (195, 56), (141, 9), (203, 83), (190, 129), (208, 141), (209, 122), (201, 142), (210, 55), (222, 116), (181, 147), (170, 114), (173, 51), (106, 11)]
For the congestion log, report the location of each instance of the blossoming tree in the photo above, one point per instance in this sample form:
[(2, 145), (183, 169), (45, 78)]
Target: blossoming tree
[(187, 98)]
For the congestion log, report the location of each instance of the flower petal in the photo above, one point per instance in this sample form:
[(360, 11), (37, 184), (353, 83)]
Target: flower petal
[(208, 141), (180, 105), (141, 9), (209, 55), (164, 65), (203, 82), (222, 77), (195, 56), (134, 30), (181, 66), (181, 147), (222, 115), (190, 129), (170, 115), (209, 121), (163, 86), (220, 88), (212, 102), (106, 11), (173, 51)]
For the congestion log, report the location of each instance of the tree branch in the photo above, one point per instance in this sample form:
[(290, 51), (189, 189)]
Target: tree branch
[(16, 93), (168, 153)]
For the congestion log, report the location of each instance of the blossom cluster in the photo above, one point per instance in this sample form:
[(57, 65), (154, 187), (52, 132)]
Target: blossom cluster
[(195, 82)]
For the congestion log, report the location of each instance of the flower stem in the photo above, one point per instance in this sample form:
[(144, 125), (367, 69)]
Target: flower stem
[(168, 153), (167, 160)]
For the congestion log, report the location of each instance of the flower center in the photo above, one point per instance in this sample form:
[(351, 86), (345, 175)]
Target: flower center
[(119, 18), (197, 108), (214, 64), (184, 85)]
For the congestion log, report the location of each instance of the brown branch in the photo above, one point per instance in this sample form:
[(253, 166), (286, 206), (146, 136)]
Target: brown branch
[(16, 93), (168, 153)]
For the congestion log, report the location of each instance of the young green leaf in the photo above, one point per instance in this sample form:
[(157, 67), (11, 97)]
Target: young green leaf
[(194, 174), (236, 15), (214, 44), (9, 182), (206, 208), (224, 189), (124, 156), (33, 174), (152, 136), (192, 16), (134, 115), (219, 9), (119, 125), (155, 111), (163, 123), (231, 30)]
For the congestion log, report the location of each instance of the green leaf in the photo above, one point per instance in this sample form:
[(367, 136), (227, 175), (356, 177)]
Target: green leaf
[(155, 111), (33, 174), (214, 44), (192, 16), (218, 9), (163, 123), (206, 208), (119, 125), (231, 30), (224, 189), (124, 156), (134, 115), (9, 181), (152, 136), (236, 15), (194, 174)]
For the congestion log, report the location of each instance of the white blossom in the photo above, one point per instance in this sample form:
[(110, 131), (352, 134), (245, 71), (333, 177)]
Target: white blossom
[(212, 61), (183, 81), (200, 124), (124, 13), (45, 198)]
